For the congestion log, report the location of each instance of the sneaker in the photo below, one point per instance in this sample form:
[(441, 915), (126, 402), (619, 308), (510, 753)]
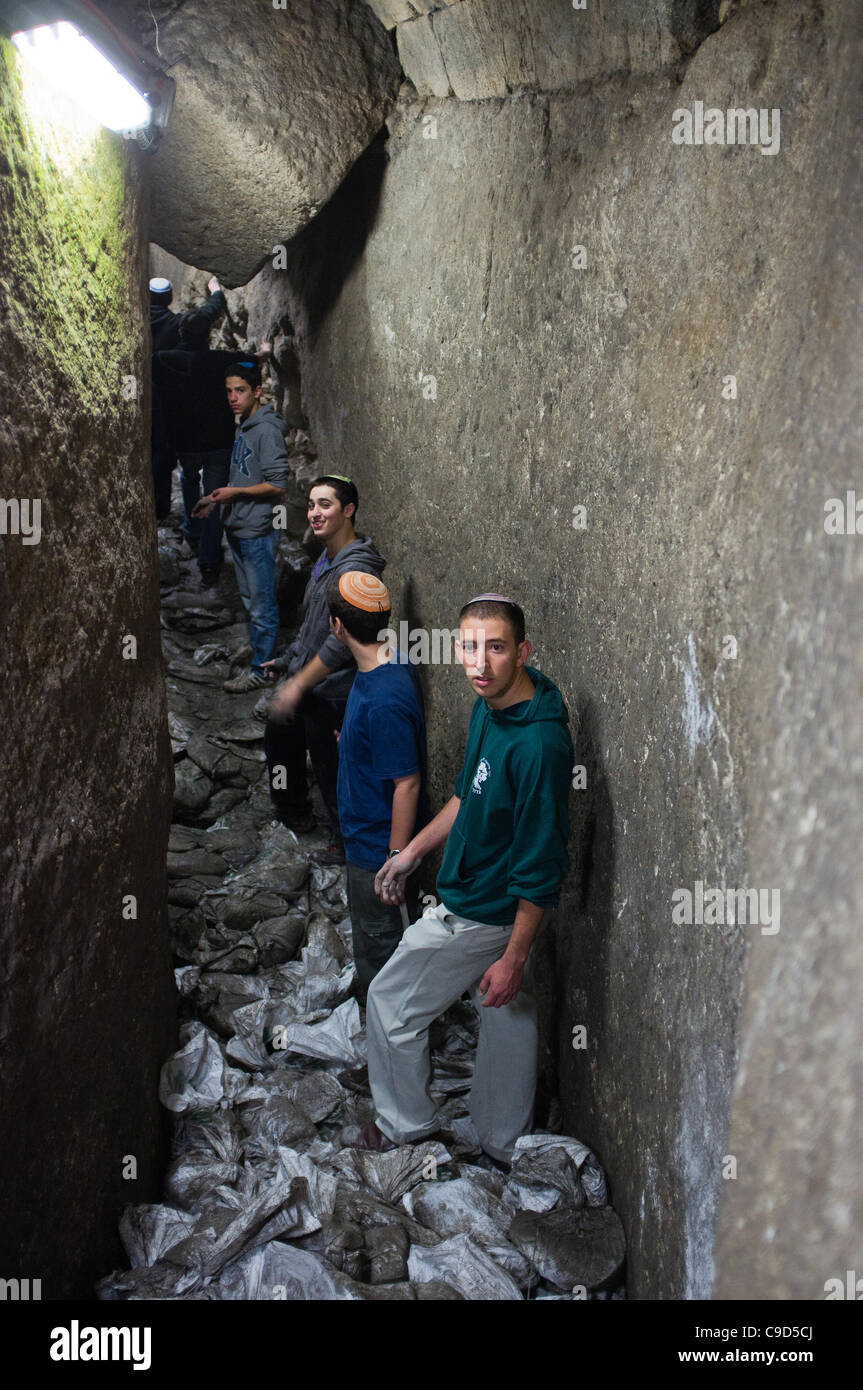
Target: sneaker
[(333, 854), (247, 680)]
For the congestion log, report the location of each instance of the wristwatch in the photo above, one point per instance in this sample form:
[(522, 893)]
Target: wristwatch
[(391, 854)]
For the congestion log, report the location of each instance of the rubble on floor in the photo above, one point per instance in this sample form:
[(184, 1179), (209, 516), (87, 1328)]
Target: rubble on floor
[(264, 1198)]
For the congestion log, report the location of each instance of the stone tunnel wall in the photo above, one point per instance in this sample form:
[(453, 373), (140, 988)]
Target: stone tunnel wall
[(524, 415), (88, 1000)]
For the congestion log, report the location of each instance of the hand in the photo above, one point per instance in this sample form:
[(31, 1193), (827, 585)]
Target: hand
[(213, 284), (391, 876), (272, 675), (223, 494), (285, 701), (501, 983), (265, 349), (203, 506)]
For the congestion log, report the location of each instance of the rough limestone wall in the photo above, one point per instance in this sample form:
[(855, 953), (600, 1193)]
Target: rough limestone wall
[(481, 387), (87, 1004), (489, 48)]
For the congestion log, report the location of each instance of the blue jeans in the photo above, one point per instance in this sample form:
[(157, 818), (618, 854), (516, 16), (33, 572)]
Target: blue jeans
[(255, 568), (204, 533)]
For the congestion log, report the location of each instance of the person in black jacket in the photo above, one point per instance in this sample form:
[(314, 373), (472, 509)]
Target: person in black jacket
[(165, 328), (190, 380), (309, 706), (164, 323)]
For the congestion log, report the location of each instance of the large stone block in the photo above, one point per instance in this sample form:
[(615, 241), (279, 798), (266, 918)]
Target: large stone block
[(484, 380), (273, 106), (422, 59), (87, 1012), (488, 48), (392, 12)]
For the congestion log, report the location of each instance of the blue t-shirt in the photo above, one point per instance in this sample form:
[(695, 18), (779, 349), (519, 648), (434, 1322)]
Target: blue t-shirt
[(383, 737)]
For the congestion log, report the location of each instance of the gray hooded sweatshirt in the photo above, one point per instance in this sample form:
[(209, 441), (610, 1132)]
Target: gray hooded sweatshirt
[(314, 637), (259, 456)]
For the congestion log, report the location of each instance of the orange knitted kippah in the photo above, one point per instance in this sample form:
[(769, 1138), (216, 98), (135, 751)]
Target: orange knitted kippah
[(364, 591)]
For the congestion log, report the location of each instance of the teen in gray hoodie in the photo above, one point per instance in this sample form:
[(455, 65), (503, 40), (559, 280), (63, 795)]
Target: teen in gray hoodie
[(308, 709), (259, 473)]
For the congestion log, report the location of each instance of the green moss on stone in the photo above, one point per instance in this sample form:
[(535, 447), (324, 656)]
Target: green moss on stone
[(67, 239)]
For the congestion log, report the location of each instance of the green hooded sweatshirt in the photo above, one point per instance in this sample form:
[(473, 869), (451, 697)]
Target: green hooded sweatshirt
[(509, 838)]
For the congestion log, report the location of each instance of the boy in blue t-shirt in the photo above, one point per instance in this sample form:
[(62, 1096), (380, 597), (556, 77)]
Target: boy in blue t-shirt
[(382, 764)]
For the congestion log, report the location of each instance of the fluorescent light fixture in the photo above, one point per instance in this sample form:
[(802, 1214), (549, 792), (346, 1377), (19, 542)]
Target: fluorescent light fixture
[(79, 50), (69, 61)]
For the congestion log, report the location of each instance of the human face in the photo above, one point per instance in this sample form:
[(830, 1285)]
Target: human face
[(492, 662), (242, 398), (326, 513)]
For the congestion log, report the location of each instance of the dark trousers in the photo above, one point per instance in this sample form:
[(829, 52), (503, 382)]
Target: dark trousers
[(162, 462), (312, 731), (205, 535), (376, 927)]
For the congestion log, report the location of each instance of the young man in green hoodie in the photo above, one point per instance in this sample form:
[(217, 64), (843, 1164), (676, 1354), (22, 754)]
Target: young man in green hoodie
[(506, 830)]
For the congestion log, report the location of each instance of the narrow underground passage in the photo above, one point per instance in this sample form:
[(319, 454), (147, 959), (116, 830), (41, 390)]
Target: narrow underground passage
[(501, 279), (266, 1195)]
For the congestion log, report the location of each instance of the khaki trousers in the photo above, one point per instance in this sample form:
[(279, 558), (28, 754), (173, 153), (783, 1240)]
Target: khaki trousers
[(439, 957)]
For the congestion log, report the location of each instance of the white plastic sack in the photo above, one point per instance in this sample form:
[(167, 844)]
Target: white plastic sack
[(345, 931), (186, 978), (390, 1175), (316, 1092), (339, 1038), (316, 981), (192, 1078), (281, 1272), (148, 1231), (525, 1187), (464, 1207), (192, 1178), (322, 1183), (257, 1025), (465, 1266), (275, 1209)]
